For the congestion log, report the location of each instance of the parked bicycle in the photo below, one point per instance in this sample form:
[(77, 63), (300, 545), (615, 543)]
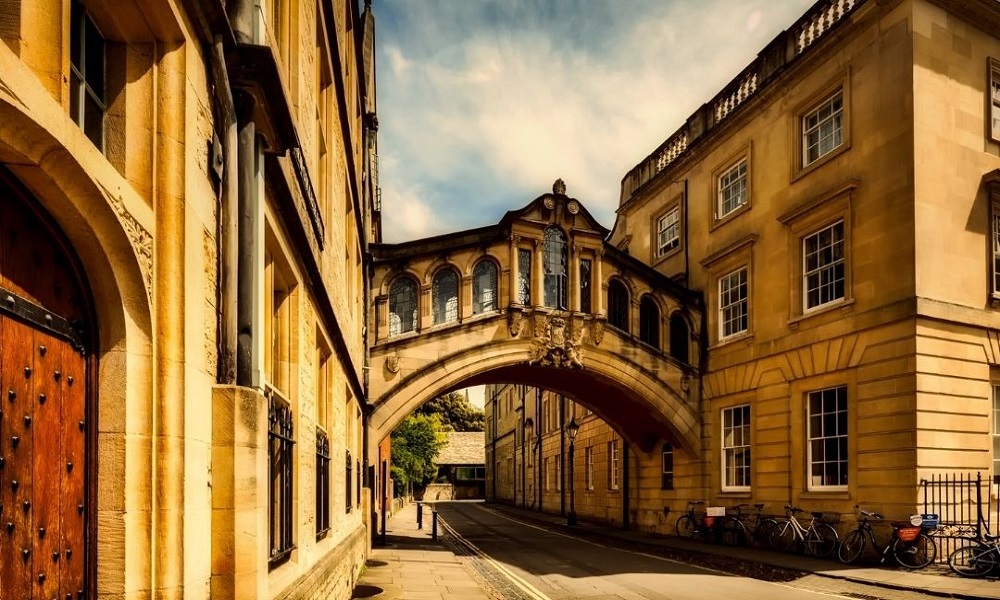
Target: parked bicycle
[(692, 523), (978, 559), (739, 529), (818, 539), (909, 545)]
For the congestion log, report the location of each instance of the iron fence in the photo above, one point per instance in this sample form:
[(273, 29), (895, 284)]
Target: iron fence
[(966, 506)]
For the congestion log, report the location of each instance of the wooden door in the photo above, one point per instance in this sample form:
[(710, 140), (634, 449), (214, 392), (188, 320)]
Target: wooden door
[(47, 368), (42, 464)]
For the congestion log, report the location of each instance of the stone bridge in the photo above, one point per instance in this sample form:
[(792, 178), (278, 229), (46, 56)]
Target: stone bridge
[(539, 299)]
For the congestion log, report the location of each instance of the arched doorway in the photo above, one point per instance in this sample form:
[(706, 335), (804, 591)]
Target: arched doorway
[(47, 376)]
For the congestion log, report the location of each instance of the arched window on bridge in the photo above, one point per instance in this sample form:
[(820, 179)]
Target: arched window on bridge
[(618, 305), (555, 268), (402, 306), (444, 292), (649, 322), (679, 337), (484, 287)]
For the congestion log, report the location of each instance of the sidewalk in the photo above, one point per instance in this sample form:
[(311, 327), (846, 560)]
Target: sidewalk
[(938, 581), (413, 566)]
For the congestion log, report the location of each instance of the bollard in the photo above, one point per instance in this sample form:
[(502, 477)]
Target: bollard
[(420, 516), (434, 525)]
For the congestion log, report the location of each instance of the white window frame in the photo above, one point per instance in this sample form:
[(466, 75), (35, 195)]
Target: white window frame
[(733, 183), (995, 432), (822, 270), (736, 451), (613, 464), (668, 231), (559, 472), (995, 220), (589, 453), (823, 128), (667, 451), (813, 437), (734, 299)]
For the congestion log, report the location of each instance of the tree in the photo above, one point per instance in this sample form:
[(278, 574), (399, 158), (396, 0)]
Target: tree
[(455, 411), (415, 444)]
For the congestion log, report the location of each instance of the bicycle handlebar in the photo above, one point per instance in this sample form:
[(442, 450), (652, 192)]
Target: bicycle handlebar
[(865, 513)]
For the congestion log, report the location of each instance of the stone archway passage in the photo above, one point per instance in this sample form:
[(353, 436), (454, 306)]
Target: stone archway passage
[(44, 425)]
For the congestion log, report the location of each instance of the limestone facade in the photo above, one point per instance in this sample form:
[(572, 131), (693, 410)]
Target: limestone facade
[(211, 173), (836, 206)]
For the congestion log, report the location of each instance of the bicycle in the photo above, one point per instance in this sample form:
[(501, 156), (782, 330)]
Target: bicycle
[(739, 530), (818, 539), (689, 524), (909, 545), (976, 560)]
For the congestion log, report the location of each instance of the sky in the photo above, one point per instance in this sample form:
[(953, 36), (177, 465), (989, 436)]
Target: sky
[(483, 104)]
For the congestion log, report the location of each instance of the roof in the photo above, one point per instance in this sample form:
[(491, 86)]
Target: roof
[(463, 448)]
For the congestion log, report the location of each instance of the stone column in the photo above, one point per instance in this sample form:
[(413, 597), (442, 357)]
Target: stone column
[(597, 281), (573, 281), (514, 270), (538, 279)]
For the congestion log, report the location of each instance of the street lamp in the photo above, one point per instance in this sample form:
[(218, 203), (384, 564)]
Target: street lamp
[(573, 429)]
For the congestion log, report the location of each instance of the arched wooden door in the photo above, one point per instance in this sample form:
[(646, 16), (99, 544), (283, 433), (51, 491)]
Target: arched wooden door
[(45, 378)]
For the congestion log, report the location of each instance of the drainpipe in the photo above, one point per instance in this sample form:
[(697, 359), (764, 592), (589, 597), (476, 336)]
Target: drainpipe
[(625, 486), (562, 455), (228, 217), (538, 441)]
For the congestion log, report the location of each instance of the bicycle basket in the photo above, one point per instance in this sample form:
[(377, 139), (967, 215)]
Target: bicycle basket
[(908, 534)]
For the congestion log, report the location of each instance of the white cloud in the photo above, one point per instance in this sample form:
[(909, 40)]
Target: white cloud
[(508, 105)]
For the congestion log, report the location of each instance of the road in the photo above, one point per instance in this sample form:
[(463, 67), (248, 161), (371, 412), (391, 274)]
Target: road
[(525, 562)]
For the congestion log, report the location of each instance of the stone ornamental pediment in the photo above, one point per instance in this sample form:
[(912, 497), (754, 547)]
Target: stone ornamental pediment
[(556, 339)]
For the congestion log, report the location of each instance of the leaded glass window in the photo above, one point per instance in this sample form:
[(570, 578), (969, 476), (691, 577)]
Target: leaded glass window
[(585, 285), (618, 305), (444, 296), (523, 276), (484, 287), (402, 306), (649, 322), (555, 268)]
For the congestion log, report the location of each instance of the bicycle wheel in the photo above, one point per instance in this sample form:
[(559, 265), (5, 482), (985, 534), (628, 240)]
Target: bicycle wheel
[(973, 561), (822, 540), (916, 554), (852, 547), (762, 532), (782, 537), (686, 526), (734, 532)]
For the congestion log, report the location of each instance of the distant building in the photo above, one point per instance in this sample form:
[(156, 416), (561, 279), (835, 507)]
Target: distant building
[(462, 464)]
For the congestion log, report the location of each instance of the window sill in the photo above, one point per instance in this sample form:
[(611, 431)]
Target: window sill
[(826, 308), (658, 258), (731, 215), (819, 162), (735, 494), (831, 494), (746, 336)]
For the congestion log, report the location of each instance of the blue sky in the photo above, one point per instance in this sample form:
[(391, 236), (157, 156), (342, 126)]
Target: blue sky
[(482, 104)]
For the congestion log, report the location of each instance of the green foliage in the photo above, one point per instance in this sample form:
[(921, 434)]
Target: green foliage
[(456, 413), (415, 444)]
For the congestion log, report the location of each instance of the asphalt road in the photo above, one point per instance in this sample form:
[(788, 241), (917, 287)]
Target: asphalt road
[(525, 562)]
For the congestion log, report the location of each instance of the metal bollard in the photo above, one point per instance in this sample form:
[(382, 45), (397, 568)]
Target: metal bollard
[(434, 525), (420, 516)]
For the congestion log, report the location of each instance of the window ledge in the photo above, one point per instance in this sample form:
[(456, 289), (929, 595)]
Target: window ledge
[(734, 494), (731, 215), (832, 306), (746, 336), (831, 494), (819, 162)]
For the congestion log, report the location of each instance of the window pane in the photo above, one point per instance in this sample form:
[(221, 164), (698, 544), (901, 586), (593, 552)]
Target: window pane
[(402, 306), (555, 268), (94, 59), (585, 285), (618, 305), (828, 456), (824, 266), (484, 287), (524, 277)]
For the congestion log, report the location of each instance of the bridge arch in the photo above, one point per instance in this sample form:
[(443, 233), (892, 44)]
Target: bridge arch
[(626, 393)]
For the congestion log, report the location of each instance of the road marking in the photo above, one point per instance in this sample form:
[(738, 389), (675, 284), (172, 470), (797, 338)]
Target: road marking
[(518, 581), (653, 556)]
